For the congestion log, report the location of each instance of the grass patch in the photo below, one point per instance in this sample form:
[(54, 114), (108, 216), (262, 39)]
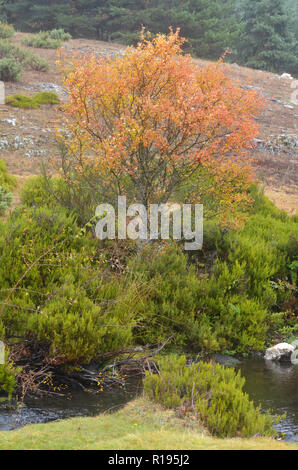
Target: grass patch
[(140, 425), (23, 101)]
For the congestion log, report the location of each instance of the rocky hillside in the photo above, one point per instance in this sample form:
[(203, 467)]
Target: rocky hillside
[(27, 135)]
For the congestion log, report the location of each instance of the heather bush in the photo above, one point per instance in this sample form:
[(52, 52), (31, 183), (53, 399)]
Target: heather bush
[(170, 306), (66, 303), (215, 393)]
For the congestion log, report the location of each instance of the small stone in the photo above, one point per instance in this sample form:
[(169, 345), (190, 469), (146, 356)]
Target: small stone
[(2, 93)]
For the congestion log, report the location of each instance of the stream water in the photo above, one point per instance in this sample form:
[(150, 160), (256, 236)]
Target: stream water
[(273, 385)]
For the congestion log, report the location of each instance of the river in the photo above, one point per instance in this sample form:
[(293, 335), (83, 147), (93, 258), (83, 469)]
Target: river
[(273, 385)]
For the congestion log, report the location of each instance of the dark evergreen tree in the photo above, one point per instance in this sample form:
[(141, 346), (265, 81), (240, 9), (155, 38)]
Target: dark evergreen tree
[(267, 41)]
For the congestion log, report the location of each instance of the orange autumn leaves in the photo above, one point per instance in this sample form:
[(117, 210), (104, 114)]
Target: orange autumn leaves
[(153, 116)]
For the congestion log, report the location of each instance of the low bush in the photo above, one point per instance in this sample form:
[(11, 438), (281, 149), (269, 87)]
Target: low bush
[(36, 63), (6, 30), (47, 39), (6, 180), (59, 34), (10, 70), (7, 49), (22, 56), (42, 40), (214, 392)]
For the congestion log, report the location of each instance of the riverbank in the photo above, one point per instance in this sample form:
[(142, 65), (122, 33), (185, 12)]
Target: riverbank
[(139, 425)]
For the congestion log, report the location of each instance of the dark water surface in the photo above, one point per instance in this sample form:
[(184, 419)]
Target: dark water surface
[(273, 385), (79, 403)]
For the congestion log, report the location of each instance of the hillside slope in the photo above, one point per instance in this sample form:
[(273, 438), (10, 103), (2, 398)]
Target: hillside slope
[(28, 136)]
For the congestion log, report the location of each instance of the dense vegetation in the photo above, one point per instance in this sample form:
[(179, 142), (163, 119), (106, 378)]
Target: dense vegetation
[(260, 33), (152, 126), (81, 299)]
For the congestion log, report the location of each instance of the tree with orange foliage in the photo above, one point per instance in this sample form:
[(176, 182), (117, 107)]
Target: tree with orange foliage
[(153, 117)]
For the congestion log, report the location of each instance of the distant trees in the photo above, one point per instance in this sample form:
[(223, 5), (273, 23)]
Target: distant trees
[(260, 33), (210, 26), (267, 41)]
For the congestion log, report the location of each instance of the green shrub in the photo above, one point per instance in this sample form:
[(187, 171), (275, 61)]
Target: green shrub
[(47, 39), (7, 49), (6, 180), (238, 321), (6, 30), (38, 191), (10, 70), (59, 34), (42, 40), (214, 392), (7, 377), (23, 101), (22, 56), (5, 199), (65, 304), (170, 306), (36, 63)]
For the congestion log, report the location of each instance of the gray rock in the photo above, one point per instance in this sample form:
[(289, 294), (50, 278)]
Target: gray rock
[(226, 360)]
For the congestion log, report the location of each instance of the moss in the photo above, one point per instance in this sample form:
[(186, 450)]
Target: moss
[(46, 97), (23, 101)]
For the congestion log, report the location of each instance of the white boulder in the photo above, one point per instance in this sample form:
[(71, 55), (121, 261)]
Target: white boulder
[(281, 351), (287, 76)]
